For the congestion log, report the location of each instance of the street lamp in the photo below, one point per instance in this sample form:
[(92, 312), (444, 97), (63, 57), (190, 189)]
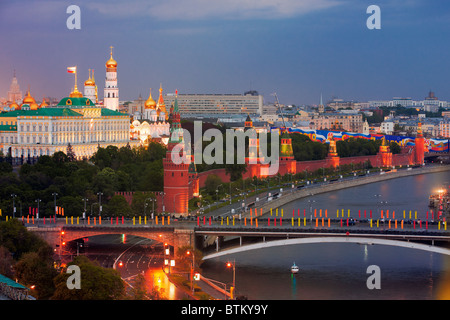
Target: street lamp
[(100, 203), (14, 204), (163, 206), (37, 200), (229, 265), (54, 194), (192, 269), (217, 193), (84, 213)]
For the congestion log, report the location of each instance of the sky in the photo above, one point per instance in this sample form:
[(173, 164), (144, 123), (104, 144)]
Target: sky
[(298, 49)]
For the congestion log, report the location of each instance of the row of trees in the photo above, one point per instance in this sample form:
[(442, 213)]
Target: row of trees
[(111, 169)]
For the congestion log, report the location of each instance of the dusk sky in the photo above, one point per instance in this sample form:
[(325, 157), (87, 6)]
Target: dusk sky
[(296, 48)]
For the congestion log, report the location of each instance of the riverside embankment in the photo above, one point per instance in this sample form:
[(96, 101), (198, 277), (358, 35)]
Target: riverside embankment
[(318, 188)]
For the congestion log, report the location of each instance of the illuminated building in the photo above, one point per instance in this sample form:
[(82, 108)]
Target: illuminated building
[(152, 125), (32, 131), (111, 91), (14, 93)]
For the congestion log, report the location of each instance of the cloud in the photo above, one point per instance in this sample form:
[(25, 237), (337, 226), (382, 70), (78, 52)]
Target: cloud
[(180, 10)]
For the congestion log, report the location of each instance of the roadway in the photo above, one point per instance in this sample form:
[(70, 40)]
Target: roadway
[(130, 256)]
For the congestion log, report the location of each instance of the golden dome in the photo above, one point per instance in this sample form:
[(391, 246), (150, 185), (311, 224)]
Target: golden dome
[(76, 94), (150, 103), (14, 105), (28, 99), (43, 104), (111, 63), (90, 81)]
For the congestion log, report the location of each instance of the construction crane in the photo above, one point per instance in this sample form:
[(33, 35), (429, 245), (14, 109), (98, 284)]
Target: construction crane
[(279, 108)]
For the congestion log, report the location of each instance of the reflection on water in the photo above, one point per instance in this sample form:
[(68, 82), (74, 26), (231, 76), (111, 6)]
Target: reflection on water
[(339, 271)]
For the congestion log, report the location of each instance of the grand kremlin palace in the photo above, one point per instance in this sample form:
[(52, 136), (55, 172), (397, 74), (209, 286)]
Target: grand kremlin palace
[(75, 120)]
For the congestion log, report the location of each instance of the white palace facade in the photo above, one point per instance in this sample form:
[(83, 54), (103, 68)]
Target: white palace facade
[(31, 130)]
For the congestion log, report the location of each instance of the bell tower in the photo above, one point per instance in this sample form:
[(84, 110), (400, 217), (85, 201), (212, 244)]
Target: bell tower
[(111, 92)]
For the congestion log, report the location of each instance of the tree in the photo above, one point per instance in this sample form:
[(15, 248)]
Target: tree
[(70, 153), (35, 269), (97, 283), (139, 289), (142, 199), (118, 206), (212, 183), (6, 262), (184, 260), (18, 240), (395, 147)]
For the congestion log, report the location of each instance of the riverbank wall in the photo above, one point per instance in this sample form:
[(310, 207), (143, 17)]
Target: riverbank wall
[(339, 185)]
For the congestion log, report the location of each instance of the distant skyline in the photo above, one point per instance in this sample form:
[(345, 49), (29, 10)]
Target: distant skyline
[(299, 49)]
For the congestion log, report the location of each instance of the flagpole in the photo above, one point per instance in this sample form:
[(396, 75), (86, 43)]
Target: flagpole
[(76, 89)]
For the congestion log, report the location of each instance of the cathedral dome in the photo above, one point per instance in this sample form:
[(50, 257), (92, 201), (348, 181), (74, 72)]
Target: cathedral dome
[(43, 104), (28, 99), (150, 103), (14, 105), (111, 63), (89, 82)]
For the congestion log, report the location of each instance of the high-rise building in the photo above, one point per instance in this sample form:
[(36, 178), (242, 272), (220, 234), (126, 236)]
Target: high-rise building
[(214, 104), (111, 92), (14, 93)]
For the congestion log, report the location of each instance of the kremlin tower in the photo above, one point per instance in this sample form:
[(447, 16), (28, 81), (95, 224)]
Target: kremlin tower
[(333, 157), (288, 165), (111, 92), (251, 157), (385, 155), (176, 176), (419, 150)]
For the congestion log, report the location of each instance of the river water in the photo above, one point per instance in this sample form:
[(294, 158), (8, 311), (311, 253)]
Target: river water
[(340, 271)]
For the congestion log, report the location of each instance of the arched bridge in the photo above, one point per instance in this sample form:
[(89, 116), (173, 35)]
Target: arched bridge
[(175, 237), (223, 241)]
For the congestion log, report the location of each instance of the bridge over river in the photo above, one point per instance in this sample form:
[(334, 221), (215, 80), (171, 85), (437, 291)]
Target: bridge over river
[(216, 237)]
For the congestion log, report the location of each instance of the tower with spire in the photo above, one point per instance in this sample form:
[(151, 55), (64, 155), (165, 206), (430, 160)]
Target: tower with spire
[(176, 175), (321, 106), (288, 165), (14, 93), (111, 92)]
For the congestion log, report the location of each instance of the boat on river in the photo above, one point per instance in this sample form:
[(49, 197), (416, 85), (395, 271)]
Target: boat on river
[(294, 268)]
